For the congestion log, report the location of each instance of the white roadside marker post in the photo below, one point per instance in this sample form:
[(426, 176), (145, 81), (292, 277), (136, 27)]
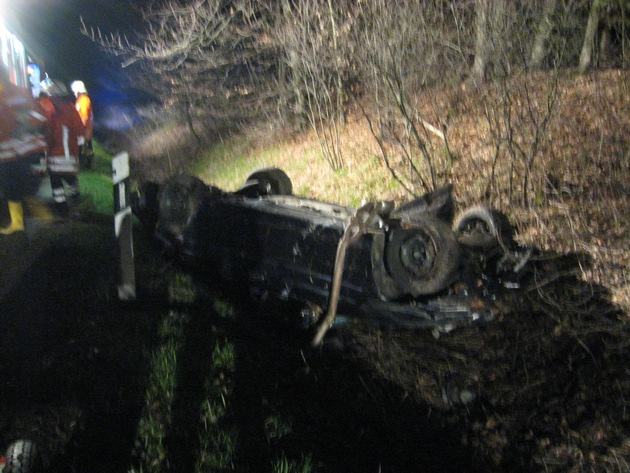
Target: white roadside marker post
[(123, 226)]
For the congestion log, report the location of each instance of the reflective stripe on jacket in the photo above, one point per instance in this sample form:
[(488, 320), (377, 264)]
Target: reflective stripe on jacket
[(27, 145), (63, 164), (21, 124), (64, 131)]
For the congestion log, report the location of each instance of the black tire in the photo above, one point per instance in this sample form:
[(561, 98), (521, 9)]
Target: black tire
[(22, 457), (422, 259), (385, 285), (179, 200), (483, 228), (270, 181), (145, 205)]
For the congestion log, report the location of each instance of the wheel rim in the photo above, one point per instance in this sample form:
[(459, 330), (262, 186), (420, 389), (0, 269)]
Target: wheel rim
[(422, 259), (417, 254), (476, 226)]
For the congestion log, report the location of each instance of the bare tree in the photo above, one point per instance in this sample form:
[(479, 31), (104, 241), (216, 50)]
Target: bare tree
[(314, 36), (490, 19), (233, 61), (482, 39), (543, 34), (590, 35), (405, 50), (206, 58), (517, 115), (605, 18), (624, 32), (612, 38)]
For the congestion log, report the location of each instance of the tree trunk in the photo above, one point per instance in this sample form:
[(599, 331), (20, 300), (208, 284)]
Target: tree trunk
[(482, 37), (489, 32), (341, 116), (604, 56), (545, 26), (590, 36)]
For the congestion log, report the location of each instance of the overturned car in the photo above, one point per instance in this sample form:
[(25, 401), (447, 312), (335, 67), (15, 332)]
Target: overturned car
[(412, 265)]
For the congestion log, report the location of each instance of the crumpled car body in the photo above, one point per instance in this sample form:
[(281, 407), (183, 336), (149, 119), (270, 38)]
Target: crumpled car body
[(407, 265)]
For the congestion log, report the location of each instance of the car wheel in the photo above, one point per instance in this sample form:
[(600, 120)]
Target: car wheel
[(22, 457), (144, 204), (179, 200), (270, 181), (424, 258), (483, 228), (385, 284)]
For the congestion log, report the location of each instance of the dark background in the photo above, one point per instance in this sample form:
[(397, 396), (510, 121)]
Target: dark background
[(51, 29)]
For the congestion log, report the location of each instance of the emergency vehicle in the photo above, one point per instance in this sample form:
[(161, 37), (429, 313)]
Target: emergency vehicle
[(25, 69)]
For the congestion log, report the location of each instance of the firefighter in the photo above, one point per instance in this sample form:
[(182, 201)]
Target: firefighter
[(21, 144), (46, 104), (65, 136), (84, 107)]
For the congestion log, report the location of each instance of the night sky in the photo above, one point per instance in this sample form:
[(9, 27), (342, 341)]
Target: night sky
[(52, 29)]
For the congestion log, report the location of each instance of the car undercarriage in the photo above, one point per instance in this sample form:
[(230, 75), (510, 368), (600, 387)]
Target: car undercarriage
[(412, 265)]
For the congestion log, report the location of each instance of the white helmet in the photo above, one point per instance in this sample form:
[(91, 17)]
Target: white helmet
[(78, 87)]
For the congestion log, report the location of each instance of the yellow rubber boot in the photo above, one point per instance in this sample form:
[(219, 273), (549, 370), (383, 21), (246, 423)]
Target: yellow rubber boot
[(17, 219), (38, 209)]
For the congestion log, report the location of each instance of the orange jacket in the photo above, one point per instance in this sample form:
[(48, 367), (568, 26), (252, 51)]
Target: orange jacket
[(84, 107)]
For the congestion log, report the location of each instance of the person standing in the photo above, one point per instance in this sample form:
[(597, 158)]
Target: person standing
[(64, 135), (84, 107), (22, 142)]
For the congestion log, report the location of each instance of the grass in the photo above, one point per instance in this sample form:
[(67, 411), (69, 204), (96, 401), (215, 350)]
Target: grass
[(228, 165), (97, 182), (276, 427), (217, 440), (285, 465)]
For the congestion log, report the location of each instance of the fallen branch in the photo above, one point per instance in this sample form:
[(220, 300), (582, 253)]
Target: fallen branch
[(432, 129)]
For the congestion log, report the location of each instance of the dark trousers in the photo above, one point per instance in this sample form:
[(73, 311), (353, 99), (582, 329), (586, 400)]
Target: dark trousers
[(62, 182), (87, 154), (16, 182)]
